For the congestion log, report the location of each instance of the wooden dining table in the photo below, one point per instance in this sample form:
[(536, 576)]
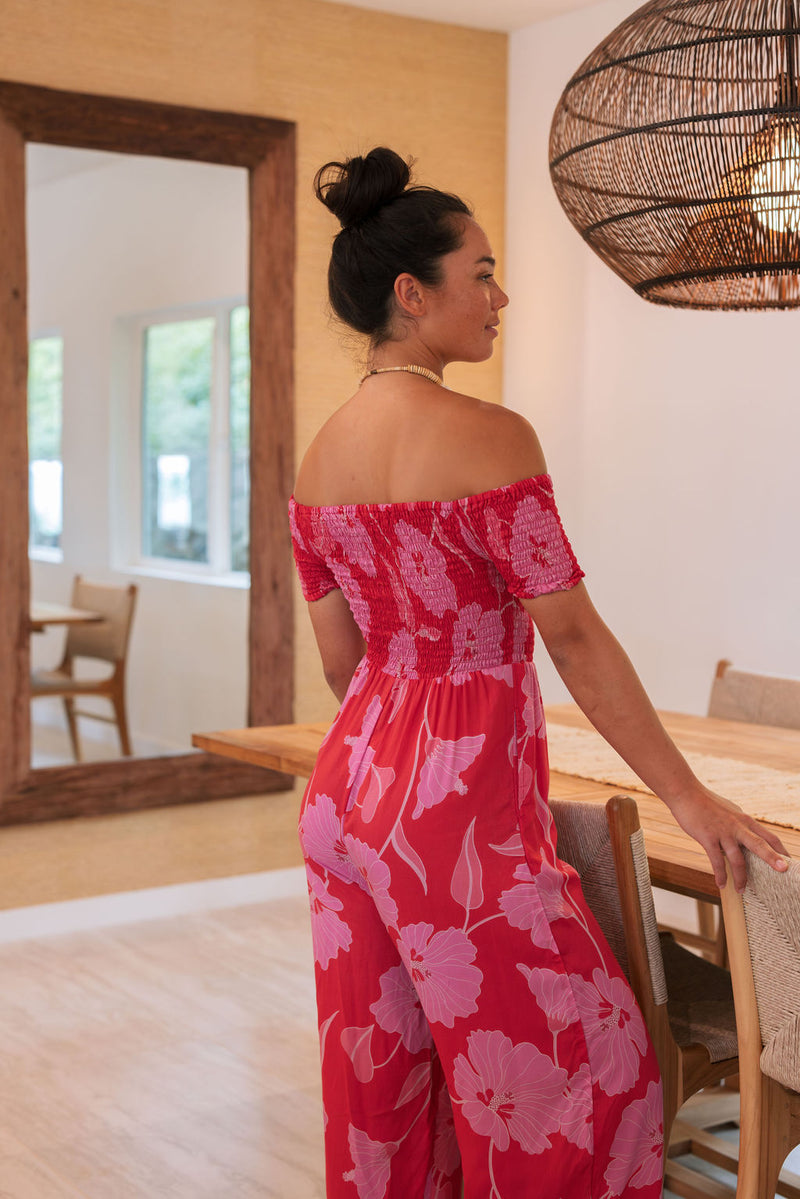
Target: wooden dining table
[(43, 614), (677, 862)]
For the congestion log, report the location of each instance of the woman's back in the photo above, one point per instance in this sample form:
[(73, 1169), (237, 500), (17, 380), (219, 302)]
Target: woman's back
[(402, 438)]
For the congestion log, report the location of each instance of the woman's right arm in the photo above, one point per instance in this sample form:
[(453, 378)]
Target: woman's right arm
[(602, 681), (341, 645)]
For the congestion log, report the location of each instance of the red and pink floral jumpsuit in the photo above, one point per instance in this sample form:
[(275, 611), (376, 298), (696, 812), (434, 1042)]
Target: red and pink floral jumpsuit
[(474, 1024)]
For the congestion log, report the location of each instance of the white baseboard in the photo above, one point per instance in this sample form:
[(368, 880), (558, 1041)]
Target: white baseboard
[(155, 903)]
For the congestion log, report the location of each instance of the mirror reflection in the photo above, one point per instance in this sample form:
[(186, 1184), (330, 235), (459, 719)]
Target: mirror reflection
[(138, 421)]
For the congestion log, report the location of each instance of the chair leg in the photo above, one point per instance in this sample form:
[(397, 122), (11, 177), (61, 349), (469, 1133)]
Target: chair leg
[(122, 725), (776, 1139), (72, 725)]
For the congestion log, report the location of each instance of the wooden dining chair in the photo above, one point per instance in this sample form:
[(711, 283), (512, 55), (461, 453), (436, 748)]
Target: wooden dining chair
[(763, 928), (106, 641), (754, 699), (686, 1001)]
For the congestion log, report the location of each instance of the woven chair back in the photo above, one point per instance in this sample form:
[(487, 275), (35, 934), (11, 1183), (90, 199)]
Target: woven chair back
[(107, 639), (772, 913), (755, 698)]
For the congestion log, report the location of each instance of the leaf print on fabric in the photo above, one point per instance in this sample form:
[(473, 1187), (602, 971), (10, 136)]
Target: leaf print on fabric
[(510, 1092), (577, 1123), (417, 1081), (440, 965), (637, 1149), (446, 1153), (372, 1164), (512, 848), (361, 754), (329, 933), (380, 779), (522, 907), (476, 634), (441, 770), (424, 569), (614, 1028), (357, 1044), (553, 993), (466, 885), (533, 709), (372, 875), (398, 1010), (406, 851)]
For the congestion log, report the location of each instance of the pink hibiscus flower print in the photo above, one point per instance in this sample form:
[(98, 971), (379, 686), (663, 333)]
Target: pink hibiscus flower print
[(372, 875), (476, 635), (637, 1149), (531, 535), (425, 569), (553, 993), (522, 907), (440, 965), (321, 836), (550, 882), (510, 1092), (398, 1010), (442, 768), (615, 1033), (577, 1122), (372, 1164), (329, 933), (402, 655), (354, 539)]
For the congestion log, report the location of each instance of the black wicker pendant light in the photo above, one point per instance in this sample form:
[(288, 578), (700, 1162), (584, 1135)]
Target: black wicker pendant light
[(675, 151)]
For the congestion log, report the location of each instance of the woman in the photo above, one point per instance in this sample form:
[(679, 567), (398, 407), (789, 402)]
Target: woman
[(472, 1018)]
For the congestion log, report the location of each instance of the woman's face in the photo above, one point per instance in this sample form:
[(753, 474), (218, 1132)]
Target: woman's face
[(462, 313)]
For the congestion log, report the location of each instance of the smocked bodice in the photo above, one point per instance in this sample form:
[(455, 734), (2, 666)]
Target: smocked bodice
[(434, 585)]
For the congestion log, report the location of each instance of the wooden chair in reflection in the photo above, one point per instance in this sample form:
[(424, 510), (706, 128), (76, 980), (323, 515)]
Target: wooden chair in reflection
[(763, 928), (106, 641), (755, 699), (686, 1001)]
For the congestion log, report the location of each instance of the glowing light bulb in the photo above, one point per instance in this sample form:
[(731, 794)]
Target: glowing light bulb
[(775, 187)]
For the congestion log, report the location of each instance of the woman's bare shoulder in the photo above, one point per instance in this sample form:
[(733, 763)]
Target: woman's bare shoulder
[(498, 445)]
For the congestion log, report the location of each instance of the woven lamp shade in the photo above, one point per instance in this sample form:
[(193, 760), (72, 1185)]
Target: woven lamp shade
[(675, 152)]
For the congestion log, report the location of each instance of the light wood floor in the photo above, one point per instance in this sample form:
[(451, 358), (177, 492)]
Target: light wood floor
[(171, 1059)]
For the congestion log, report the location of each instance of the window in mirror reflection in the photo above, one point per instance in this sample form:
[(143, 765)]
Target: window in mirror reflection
[(45, 469), (195, 424)]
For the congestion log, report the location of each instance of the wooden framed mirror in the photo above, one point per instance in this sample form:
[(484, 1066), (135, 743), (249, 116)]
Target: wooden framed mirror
[(266, 148)]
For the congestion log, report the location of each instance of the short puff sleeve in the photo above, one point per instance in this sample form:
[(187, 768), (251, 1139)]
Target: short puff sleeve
[(316, 576), (525, 539)]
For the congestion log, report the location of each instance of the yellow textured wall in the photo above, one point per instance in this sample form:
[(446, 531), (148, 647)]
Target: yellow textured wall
[(350, 79)]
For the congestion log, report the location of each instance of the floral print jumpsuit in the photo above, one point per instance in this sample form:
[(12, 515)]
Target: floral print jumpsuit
[(474, 1025)]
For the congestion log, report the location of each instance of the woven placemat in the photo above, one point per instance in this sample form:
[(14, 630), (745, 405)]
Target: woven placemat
[(766, 794)]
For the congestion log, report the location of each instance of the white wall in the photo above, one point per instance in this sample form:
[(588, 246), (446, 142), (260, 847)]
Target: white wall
[(128, 236), (672, 435)]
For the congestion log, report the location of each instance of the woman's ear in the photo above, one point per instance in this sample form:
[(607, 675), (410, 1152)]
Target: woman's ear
[(410, 295)]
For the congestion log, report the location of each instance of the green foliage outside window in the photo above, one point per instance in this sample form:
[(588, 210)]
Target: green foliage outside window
[(45, 388)]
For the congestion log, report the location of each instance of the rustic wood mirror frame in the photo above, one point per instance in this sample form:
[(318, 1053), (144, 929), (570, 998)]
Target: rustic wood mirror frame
[(267, 149)]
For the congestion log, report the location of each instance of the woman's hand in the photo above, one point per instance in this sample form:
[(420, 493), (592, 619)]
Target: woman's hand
[(724, 830)]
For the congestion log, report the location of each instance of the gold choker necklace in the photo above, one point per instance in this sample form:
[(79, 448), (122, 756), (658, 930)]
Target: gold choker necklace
[(412, 370)]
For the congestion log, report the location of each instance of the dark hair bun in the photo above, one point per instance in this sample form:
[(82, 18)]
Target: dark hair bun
[(356, 189)]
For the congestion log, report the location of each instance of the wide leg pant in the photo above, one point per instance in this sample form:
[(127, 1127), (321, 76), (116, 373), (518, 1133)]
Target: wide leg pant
[(473, 1020)]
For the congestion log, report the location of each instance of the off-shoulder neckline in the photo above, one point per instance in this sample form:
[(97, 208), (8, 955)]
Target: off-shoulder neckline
[(476, 498)]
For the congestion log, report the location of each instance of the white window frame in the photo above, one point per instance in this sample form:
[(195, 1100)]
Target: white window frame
[(49, 553), (128, 392)]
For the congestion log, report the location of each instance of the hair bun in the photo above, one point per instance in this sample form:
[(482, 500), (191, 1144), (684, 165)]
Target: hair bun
[(355, 189)]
